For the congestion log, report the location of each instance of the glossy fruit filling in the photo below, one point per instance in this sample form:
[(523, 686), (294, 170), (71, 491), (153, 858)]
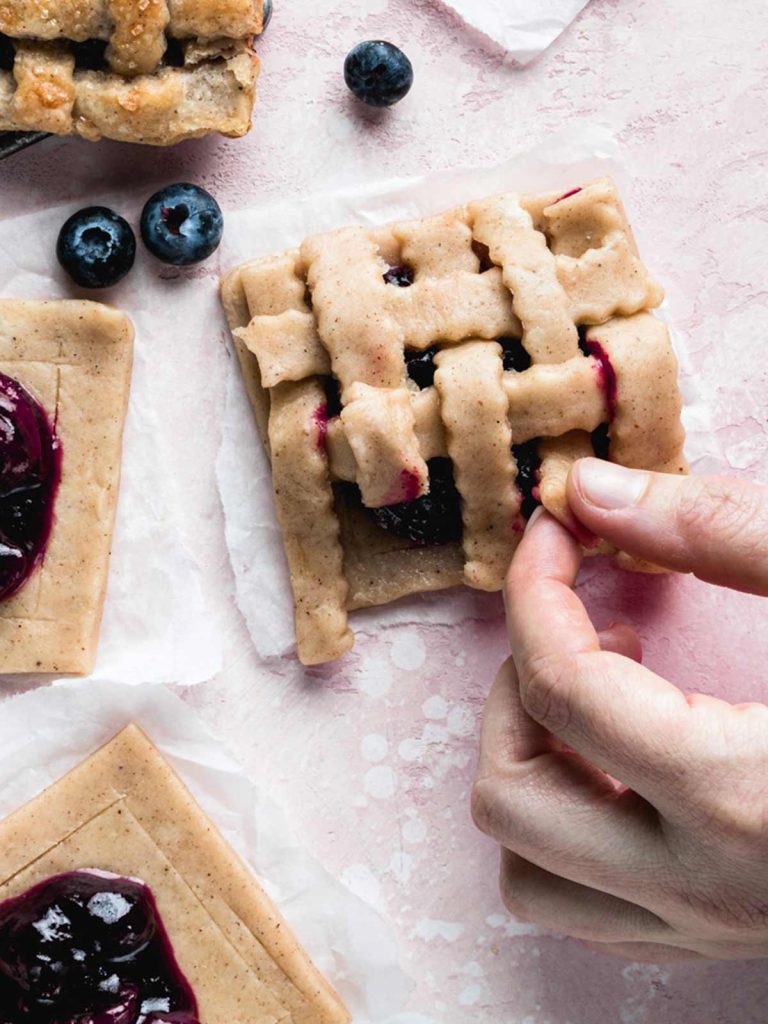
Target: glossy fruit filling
[(88, 947), (30, 470)]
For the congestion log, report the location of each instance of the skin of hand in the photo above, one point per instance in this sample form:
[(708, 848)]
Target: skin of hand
[(630, 815)]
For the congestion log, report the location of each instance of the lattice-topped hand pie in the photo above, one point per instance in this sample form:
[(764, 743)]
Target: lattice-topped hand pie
[(120, 902), (65, 371), (422, 386), (152, 71)]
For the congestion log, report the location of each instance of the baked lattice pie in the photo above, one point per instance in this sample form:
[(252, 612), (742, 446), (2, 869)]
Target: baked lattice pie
[(153, 71), (65, 372), (121, 903), (422, 386)]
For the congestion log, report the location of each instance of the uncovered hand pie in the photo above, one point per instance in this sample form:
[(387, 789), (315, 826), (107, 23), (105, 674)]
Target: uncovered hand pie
[(65, 371), (119, 901)]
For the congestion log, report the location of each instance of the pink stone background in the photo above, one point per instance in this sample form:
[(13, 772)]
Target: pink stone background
[(373, 758)]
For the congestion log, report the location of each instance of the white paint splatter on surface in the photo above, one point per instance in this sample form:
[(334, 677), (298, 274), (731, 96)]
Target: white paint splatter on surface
[(374, 747), (429, 929), (408, 651), (380, 782)]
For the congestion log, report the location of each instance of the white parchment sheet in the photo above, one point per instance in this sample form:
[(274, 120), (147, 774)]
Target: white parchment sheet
[(523, 27), (45, 733), (253, 535)]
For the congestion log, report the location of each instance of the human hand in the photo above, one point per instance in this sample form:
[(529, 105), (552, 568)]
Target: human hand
[(676, 865)]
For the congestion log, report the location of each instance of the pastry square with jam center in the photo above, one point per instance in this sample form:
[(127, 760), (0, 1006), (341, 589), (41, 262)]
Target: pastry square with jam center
[(124, 814), (150, 71), (65, 372), (422, 386)]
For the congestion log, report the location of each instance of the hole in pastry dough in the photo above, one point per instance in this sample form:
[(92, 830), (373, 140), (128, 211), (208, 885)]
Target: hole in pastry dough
[(483, 254), (7, 53), (528, 475)]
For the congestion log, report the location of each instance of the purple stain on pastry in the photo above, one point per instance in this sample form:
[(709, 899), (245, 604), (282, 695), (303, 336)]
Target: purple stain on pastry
[(30, 471), (606, 373), (320, 419), (434, 518), (89, 948), (567, 195)]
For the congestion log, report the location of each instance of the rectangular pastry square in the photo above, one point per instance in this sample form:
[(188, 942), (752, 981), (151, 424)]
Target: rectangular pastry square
[(155, 71), (420, 387), (75, 359), (124, 811)]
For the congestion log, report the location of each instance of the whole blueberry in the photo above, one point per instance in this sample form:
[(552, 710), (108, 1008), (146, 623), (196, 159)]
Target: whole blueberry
[(378, 73), (96, 247), (182, 224), (266, 14)]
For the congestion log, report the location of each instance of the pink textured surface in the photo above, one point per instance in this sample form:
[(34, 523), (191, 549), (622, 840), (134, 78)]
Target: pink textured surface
[(373, 758)]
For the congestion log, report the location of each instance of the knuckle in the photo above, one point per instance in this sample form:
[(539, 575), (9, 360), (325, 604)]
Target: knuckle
[(723, 510), (486, 806), (545, 689)]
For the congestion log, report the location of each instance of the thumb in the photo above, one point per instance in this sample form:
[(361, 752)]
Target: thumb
[(714, 527)]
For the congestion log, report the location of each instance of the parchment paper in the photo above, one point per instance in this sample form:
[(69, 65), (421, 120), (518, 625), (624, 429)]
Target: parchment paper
[(523, 27), (157, 622), (45, 733)]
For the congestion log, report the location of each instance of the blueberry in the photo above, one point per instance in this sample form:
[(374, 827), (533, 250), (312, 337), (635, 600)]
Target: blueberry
[(182, 224), (601, 441), (421, 366), (266, 14), (378, 73), (96, 247), (434, 518)]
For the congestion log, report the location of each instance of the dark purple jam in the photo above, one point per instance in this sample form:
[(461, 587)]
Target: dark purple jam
[(89, 948), (434, 518), (528, 464), (30, 470), (421, 366), (401, 277), (514, 355)]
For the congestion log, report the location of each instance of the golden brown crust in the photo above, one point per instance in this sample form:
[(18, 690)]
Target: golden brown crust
[(559, 273), (75, 357), (137, 96), (124, 810)]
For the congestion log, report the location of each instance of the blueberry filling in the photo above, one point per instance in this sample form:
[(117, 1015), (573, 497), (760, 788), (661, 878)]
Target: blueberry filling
[(514, 355), (87, 948), (434, 518), (601, 441), (332, 397), (30, 470), (401, 276), (528, 463), (7, 53), (421, 366), (90, 55)]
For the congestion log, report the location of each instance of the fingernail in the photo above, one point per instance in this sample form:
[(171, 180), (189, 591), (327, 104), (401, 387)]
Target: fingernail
[(536, 514), (609, 486)]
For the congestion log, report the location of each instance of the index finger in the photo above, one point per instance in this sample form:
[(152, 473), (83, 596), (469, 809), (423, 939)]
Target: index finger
[(617, 714)]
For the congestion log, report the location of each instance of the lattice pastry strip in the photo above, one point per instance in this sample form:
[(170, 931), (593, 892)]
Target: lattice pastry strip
[(403, 322), (141, 92)]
